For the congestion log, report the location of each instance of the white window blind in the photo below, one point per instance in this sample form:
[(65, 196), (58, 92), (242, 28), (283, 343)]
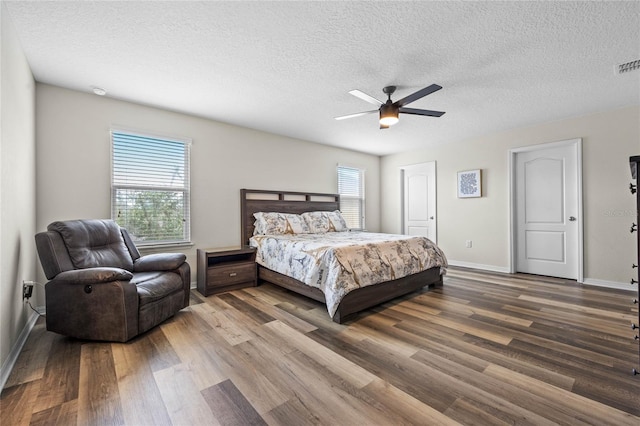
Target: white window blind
[(150, 186), (351, 190)]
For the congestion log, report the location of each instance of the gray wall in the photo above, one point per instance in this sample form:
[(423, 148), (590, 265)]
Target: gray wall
[(608, 139), (73, 160), (17, 190)]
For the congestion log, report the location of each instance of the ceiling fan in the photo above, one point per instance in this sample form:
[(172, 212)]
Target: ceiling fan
[(389, 110)]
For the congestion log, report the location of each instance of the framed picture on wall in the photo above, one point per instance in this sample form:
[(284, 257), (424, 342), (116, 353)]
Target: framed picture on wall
[(470, 184)]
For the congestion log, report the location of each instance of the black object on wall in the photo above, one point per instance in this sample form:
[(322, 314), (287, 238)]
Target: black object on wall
[(634, 163)]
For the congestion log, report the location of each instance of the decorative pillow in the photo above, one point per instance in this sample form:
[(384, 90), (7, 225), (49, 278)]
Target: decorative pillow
[(318, 222), (297, 225), (270, 223), (337, 220)]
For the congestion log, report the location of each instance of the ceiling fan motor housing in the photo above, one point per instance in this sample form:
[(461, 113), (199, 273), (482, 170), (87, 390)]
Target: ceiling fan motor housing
[(389, 113)]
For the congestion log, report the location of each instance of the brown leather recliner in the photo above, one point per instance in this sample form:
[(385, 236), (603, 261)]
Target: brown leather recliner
[(100, 287)]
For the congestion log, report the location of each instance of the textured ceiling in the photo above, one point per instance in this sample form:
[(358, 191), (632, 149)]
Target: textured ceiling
[(287, 67)]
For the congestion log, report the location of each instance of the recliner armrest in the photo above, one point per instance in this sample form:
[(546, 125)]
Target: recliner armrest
[(94, 275), (159, 262)]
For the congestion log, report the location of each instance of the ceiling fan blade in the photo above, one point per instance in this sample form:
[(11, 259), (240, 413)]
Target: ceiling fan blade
[(365, 97), (417, 95), (357, 114), (421, 112)]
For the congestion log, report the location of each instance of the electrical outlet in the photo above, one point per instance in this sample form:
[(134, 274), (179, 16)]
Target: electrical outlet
[(469, 243), (27, 289)]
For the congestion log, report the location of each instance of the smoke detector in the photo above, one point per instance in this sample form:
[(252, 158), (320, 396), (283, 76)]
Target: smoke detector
[(99, 91)]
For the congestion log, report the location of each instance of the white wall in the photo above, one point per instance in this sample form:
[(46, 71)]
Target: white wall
[(609, 139), (73, 160), (17, 192)]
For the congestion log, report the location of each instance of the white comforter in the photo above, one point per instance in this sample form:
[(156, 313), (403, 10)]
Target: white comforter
[(340, 262)]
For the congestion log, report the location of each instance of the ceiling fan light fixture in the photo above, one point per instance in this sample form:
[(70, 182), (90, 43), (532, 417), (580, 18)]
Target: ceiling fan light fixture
[(388, 121), (388, 115)]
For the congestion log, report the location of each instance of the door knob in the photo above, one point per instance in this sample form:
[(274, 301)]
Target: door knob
[(431, 218), (572, 218)]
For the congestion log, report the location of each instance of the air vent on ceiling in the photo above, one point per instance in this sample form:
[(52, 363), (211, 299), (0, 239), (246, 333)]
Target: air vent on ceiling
[(628, 67)]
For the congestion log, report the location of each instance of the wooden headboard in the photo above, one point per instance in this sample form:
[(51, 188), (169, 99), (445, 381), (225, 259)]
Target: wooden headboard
[(258, 200)]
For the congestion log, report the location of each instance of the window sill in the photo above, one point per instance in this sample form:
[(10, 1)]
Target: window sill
[(157, 248)]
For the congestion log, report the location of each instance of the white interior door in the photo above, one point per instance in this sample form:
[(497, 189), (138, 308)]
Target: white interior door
[(419, 210), (547, 211)]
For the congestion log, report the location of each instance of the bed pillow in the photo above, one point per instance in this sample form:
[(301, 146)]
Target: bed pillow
[(273, 223), (270, 223), (337, 220), (297, 224), (318, 222)]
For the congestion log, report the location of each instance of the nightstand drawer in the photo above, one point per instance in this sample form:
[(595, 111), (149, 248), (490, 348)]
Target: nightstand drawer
[(233, 274)]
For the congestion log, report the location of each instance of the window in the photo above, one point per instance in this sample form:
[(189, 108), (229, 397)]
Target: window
[(150, 187), (351, 190)]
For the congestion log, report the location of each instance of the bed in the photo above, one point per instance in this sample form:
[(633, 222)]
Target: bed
[(359, 299)]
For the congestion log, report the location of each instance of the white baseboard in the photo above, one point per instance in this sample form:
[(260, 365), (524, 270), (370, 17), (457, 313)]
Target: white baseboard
[(8, 364), (611, 284), (586, 281), (492, 268)]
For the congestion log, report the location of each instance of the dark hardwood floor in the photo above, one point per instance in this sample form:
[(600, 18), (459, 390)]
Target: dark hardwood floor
[(483, 349)]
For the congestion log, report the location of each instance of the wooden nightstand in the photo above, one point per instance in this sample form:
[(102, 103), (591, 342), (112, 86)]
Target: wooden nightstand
[(227, 268)]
